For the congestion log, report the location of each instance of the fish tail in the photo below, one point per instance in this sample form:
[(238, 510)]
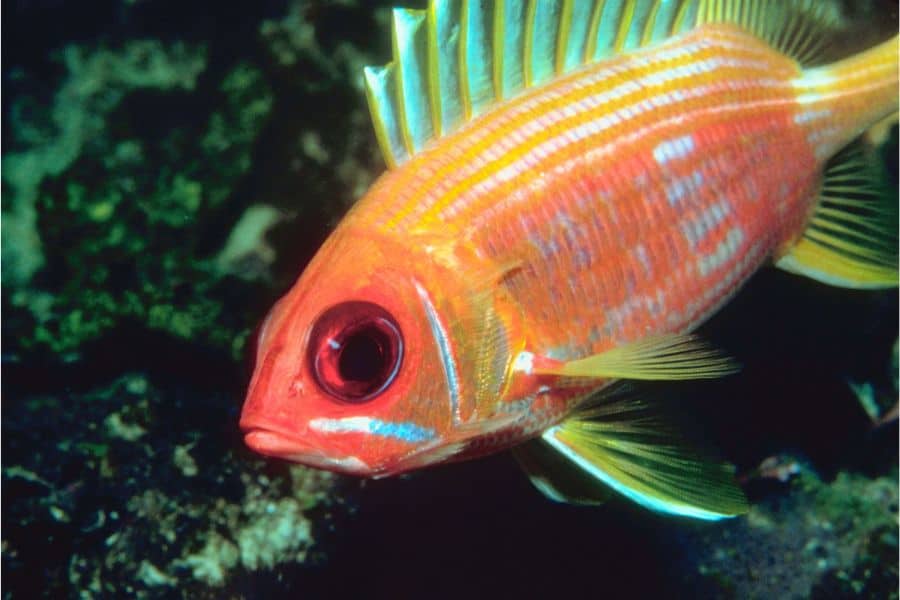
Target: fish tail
[(851, 237), (850, 95)]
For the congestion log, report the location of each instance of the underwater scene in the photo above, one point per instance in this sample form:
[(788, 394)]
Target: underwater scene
[(436, 409)]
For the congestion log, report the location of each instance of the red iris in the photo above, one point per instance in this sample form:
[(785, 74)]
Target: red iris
[(355, 351)]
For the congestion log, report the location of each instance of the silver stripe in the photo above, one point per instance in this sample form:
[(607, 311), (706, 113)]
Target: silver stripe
[(443, 343)]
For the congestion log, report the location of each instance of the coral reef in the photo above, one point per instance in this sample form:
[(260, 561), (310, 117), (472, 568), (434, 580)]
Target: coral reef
[(136, 496), (811, 539)]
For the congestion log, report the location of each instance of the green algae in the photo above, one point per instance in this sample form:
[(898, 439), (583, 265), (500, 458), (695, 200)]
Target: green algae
[(814, 539), (119, 208), (96, 84)]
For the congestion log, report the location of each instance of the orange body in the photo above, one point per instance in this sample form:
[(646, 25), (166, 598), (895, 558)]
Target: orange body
[(630, 198)]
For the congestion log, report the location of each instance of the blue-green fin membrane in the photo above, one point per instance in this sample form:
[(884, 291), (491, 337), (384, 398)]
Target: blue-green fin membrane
[(851, 240), (457, 59), (410, 43), (542, 34), (558, 478), (620, 442), (445, 90), (477, 56), (381, 94), (618, 26), (509, 19)]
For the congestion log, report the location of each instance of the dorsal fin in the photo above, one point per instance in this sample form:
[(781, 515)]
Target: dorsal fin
[(800, 29), (454, 60)]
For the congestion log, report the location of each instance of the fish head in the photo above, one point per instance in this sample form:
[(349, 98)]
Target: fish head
[(353, 367)]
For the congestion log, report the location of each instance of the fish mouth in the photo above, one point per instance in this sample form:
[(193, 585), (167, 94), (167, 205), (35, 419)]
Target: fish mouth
[(274, 443), (270, 442)]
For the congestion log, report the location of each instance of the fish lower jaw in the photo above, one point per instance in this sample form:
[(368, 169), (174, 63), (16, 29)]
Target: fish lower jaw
[(277, 445)]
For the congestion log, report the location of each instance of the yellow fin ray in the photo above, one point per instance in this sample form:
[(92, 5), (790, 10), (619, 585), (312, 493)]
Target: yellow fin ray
[(663, 357), (621, 443), (851, 240)]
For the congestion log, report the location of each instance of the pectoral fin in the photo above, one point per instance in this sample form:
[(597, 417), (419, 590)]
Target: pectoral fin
[(620, 443), (663, 357)]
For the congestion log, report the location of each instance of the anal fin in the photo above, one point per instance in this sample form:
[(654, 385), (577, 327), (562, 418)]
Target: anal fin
[(620, 443), (558, 478)]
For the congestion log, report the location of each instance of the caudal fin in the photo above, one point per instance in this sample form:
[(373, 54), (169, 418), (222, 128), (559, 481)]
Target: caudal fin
[(852, 238)]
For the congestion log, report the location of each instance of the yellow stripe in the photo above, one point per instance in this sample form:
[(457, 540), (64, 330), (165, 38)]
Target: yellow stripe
[(447, 169), (489, 170)]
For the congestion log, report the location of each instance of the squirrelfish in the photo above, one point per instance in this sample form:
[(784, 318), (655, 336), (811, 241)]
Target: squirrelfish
[(573, 187)]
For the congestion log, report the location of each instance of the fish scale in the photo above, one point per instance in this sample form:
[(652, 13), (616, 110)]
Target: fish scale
[(510, 175)]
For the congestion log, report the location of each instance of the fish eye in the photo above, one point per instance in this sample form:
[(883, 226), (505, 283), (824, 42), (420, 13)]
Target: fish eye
[(355, 351)]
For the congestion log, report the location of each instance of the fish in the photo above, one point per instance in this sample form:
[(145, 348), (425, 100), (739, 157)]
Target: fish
[(572, 189)]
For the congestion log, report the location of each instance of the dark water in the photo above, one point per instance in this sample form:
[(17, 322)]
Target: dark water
[(136, 136)]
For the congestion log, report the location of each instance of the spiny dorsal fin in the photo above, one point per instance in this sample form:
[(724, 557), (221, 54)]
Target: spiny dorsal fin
[(851, 240), (454, 60), (622, 442)]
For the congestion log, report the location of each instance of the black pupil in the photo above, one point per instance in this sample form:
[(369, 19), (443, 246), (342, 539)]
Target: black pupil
[(355, 351), (362, 356)]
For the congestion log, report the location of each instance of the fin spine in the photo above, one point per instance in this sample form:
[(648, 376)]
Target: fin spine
[(405, 134), (562, 38), (465, 93), (528, 49), (624, 24), (650, 25), (374, 77), (498, 33), (434, 81), (590, 49)]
